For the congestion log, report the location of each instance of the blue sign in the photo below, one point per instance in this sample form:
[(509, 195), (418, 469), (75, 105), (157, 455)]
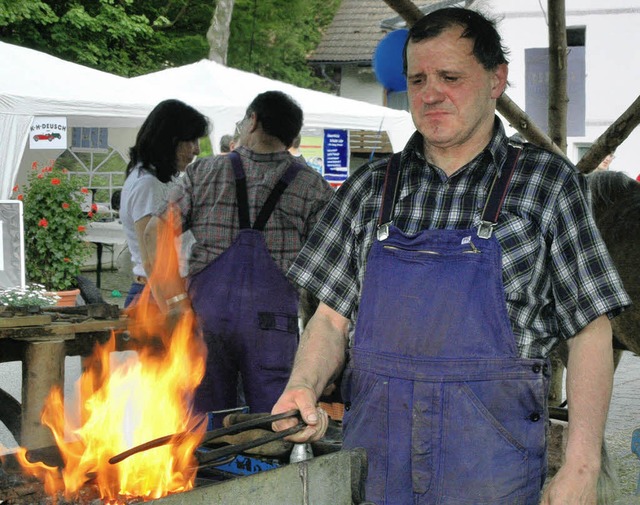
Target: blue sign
[(336, 155), (537, 88)]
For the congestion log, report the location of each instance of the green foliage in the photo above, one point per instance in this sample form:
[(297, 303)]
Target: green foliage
[(28, 11), (53, 225), (273, 38), (268, 37)]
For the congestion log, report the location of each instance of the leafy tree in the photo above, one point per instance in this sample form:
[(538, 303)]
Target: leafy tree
[(274, 37), (127, 37)]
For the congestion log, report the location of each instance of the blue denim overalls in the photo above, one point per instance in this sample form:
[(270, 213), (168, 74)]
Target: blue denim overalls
[(248, 311), (435, 390)]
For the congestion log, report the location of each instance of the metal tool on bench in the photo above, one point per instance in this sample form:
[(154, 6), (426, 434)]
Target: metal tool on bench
[(212, 456)]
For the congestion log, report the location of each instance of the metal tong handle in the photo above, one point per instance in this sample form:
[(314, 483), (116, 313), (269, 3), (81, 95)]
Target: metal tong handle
[(210, 435), (246, 425), (211, 456)]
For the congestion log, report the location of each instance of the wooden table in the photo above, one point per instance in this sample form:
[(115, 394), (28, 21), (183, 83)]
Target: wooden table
[(41, 342)]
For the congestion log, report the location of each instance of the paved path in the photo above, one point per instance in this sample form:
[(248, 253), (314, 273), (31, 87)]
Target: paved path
[(624, 417)]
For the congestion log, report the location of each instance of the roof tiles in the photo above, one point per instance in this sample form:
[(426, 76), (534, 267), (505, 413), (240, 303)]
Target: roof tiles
[(354, 32)]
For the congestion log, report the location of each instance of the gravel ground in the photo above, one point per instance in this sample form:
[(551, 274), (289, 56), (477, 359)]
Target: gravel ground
[(624, 415)]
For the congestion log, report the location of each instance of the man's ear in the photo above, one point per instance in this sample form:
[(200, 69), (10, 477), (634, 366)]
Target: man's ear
[(500, 75), (253, 122)]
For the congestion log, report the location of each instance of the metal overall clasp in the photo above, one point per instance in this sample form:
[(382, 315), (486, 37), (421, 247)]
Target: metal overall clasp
[(485, 230), (383, 231)]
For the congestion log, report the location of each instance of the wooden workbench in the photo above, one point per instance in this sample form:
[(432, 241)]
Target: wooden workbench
[(41, 342)]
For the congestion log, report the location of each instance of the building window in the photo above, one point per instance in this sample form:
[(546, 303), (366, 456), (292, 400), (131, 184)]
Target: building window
[(90, 139)]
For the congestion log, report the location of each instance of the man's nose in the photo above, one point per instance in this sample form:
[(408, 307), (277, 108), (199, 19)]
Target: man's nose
[(431, 92), (196, 148)]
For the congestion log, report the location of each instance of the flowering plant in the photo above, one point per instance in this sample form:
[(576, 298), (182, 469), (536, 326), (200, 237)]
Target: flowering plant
[(53, 226), (31, 295)]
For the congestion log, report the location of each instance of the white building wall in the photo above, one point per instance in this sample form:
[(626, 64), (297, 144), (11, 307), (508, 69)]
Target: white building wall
[(612, 62), (359, 83)]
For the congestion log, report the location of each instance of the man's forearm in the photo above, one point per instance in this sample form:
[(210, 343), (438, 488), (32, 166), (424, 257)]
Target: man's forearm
[(589, 384), (321, 354)]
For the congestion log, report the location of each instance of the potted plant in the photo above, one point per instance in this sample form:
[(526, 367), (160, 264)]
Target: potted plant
[(31, 296), (54, 223)]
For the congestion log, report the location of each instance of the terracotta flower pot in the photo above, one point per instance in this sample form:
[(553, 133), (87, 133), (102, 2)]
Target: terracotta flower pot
[(67, 298)]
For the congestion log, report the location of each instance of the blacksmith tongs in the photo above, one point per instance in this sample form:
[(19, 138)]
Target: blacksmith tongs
[(215, 454)]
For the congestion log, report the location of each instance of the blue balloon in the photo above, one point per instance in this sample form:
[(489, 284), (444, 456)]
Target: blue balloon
[(387, 61)]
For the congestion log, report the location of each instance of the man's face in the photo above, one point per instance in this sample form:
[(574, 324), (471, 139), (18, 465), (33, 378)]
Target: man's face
[(451, 96), (243, 129)]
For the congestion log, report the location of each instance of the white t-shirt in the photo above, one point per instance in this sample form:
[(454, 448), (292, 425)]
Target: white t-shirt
[(141, 195)]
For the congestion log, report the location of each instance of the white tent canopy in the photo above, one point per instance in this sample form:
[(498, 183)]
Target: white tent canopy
[(36, 84), (232, 90)]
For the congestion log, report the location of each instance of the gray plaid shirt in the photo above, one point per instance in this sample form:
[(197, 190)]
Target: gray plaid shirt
[(206, 197), (557, 273)]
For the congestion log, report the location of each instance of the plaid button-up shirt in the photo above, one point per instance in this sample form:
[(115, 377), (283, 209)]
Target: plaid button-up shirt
[(206, 198), (556, 271)]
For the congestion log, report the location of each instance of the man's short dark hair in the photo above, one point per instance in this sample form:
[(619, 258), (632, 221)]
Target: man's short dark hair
[(279, 114), (487, 43)]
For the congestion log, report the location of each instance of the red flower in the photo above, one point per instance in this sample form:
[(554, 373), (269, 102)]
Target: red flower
[(82, 229), (65, 205), (84, 190), (90, 214), (34, 165), (15, 188), (43, 222), (40, 176), (20, 197), (66, 260), (94, 207), (55, 181)]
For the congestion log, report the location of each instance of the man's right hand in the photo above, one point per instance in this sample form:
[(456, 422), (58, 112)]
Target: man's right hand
[(303, 399)]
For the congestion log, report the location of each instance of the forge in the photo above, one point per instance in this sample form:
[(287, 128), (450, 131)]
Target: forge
[(336, 478)]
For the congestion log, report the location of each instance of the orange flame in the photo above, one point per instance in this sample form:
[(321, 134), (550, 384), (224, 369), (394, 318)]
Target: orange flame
[(145, 396)]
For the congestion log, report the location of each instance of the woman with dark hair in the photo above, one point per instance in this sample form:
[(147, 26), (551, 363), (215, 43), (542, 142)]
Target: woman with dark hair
[(166, 143)]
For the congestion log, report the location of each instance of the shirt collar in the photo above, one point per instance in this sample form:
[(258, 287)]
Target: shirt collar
[(496, 148)]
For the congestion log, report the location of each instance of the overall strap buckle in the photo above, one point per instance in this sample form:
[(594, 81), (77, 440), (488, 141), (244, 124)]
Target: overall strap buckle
[(383, 231), (485, 229), (498, 190)]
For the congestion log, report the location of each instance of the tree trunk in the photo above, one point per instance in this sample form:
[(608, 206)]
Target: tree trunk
[(519, 120), (558, 99), (619, 130), (218, 32), (406, 9)]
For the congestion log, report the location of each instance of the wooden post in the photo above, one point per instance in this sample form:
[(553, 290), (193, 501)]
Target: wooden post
[(558, 99), (42, 368)]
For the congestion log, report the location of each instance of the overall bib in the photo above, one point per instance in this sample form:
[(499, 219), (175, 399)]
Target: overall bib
[(435, 390), (248, 312)]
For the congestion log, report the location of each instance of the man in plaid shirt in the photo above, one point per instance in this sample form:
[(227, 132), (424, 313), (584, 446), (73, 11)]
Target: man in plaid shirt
[(459, 265), (250, 212)]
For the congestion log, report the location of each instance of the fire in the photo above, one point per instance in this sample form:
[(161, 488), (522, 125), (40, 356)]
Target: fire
[(126, 403)]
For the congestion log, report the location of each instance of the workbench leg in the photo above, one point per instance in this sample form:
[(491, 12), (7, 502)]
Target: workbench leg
[(42, 368)]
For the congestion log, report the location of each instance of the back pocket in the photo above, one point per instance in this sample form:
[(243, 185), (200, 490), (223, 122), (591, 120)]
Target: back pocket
[(278, 340)]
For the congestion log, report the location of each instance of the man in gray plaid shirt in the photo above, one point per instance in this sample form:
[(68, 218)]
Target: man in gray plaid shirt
[(250, 212), (446, 275)]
